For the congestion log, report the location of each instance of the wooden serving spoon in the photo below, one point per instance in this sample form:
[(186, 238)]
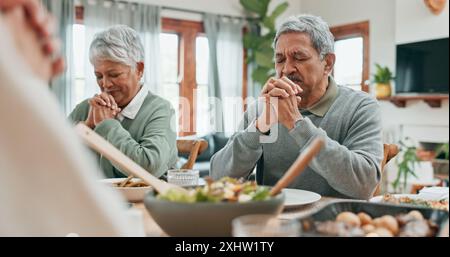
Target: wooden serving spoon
[(299, 165), (103, 147)]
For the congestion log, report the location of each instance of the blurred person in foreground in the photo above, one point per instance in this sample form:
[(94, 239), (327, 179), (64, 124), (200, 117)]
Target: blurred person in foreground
[(48, 184)]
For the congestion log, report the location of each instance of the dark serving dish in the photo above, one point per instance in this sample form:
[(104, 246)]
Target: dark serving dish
[(375, 210), (205, 218)]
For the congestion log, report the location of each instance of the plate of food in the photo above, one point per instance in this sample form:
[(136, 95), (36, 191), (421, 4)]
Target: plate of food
[(134, 189), (412, 199), (297, 197)]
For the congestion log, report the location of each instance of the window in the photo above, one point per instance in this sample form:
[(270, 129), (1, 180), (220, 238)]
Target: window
[(352, 55), (348, 70), (78, 91), (192, 70), (169, 69), (172, 78), (203, 123)]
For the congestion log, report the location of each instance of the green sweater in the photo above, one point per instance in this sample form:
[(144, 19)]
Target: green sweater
[(148, 139)]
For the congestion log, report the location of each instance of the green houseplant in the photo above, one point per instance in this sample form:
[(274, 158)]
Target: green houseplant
[(259, 37), (382, 79), (406, 162)]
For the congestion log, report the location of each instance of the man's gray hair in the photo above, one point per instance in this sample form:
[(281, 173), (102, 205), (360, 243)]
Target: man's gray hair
[(317, 29), (118, 43)]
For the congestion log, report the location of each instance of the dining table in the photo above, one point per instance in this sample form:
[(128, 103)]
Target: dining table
[(152, 229)]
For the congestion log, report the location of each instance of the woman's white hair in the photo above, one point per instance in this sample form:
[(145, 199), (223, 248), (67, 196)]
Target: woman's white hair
[(118, 43), (317, 29)]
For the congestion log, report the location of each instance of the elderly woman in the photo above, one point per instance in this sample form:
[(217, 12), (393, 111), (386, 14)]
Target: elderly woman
[(134, 120)]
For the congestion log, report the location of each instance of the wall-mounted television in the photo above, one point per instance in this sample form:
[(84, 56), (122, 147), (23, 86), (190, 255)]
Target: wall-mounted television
[(422, 67)]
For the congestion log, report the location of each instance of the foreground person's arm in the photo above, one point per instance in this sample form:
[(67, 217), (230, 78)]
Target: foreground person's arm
[(49, 184)]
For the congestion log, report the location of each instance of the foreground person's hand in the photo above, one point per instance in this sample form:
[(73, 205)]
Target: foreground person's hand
[(37, 51), (35, 15)]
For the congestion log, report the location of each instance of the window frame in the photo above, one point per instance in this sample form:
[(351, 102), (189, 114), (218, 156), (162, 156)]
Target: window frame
[(359, 29), (187, 31)]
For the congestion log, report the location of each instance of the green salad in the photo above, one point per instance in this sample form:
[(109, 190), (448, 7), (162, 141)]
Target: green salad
[(224, 190)]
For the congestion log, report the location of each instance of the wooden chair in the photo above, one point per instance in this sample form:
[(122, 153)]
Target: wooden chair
[(193, 147), (390, 151)]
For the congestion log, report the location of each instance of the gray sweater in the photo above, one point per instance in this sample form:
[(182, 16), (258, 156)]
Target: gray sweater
[(348, 166)]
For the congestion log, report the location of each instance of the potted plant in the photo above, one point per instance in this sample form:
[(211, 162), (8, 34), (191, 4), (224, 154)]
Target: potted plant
[(382, 79), (407, 162), (259, 37)]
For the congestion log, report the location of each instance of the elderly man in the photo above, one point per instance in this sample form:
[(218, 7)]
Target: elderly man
[(310, 104), (126, 114)]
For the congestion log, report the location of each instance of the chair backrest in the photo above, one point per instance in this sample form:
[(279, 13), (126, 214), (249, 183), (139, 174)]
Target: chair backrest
[(390, 151), (192, 146)]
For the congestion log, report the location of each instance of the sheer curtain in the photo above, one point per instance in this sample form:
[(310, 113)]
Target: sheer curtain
[(64, 10), (146, 19), (225, 71)]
